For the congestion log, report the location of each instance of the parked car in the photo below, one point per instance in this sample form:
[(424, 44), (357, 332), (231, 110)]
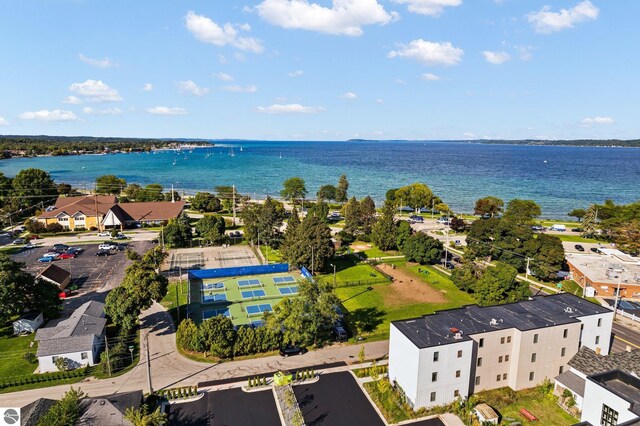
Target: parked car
[(75, 250), (107, 246), (18, 241), (292, 350), (60, 246), (537, 228), (104, 234), (46, 259), (120, 236), (34, 237), (595, 249), (448, 265), (579, 247), (4, 235), (443, 220), (576, 229), (66, 255), (340, 333), (51, 254), (29, 246), (103, 253), (416, 219)]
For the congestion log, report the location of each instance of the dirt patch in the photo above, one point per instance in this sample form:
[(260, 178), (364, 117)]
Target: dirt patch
[(407, 288), (360, 247)]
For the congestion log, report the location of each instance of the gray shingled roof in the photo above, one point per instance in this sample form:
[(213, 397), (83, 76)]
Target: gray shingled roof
[(109, 410), (31, 413), (74, 334), (572, 381), (588, 362)]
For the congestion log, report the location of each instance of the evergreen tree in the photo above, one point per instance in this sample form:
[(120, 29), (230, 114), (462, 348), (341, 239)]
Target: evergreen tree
[(218, 335), (589, 226), (342, 189), (367, 214), (403, 232), (385, 231), (352, 216)]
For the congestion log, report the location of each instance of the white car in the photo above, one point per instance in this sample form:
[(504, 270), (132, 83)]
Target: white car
[(104, 234), (107, 246)]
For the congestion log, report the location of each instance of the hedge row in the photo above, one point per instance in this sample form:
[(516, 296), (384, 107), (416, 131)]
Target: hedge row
[(178, 393), (45, 377)]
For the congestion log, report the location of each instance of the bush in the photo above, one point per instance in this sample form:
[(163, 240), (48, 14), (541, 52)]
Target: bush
[(54, 228), (30, 357)]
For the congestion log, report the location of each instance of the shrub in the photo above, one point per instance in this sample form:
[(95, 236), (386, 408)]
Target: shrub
[(30, 357)]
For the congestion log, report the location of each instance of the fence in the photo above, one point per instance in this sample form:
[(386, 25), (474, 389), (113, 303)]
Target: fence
[(306, 274), (371, 281), (238, 271)]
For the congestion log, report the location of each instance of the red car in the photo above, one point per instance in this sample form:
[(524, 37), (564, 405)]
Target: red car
[(66, 256), (34, 237)]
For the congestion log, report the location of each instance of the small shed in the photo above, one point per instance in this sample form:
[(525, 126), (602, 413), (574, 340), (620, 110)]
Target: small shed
[(486, 414), (56, 275), (28, 323)]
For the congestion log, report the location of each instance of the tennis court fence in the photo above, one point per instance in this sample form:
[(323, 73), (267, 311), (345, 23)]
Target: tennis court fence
[(371, 281), (238, 271)]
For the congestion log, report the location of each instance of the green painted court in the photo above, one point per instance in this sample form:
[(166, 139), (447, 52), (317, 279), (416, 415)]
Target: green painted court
[(243, 299)]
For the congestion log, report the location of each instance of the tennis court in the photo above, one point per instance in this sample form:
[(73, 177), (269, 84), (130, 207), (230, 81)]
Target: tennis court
[(186, 260), (244, 298)]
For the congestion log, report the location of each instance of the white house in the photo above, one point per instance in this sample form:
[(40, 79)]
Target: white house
[(28, 323), (437, 358), (79, 339), (611, 399)]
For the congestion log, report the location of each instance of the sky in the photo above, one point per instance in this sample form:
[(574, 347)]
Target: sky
[(321, 69)]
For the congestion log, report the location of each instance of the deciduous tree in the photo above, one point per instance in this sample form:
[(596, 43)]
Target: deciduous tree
[(498, 285), (218, 336), (205, 202), (326, 193), (522, 211), (423, 249), (488, 205), (110, 184), (385, 231), (211, 229), (416, 195), (293, 189)]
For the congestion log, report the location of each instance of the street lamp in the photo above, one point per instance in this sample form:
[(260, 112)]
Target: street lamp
[(131, 350), (615, 308), (334, 274), (312, 260)]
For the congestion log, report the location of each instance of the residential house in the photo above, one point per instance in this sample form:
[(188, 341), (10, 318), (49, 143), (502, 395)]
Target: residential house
[(438, 358), (56, 275), (30, 414), (109, 410), (79, 338), (611, 399), (153, 213), (80, 212)]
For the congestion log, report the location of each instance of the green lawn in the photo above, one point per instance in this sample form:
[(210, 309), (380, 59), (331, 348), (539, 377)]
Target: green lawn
[(573, 287), (350, 269), (575, 239), (272, 255), (509, 403), (569, 224), (371, 310), (12, 350), (176, 293)]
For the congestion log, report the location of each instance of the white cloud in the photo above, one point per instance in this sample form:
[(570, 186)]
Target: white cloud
[(223, 76), (289, 109), (496, 58), (207, 31), (545, 21), (429, 52), (73, 100), (589, 121), (3, 122), (192, 88), (239, 56), (46, 115), (349, 96), (100, 63), (379, 101), (344, 17), (469, 135), (107, 111), (428, 7), (95, 91), (163, 110), (240, 89), (296, 73), (147, 87), (525, 52), (430, 77), (222, 59)]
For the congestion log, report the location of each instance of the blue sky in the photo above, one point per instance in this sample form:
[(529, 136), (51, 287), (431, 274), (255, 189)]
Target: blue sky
[(321, 70)]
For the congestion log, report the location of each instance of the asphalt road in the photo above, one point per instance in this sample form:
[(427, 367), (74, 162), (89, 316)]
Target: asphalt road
[(624, 336)]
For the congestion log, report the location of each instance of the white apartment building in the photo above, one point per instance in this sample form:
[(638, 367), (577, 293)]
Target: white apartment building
[(437, 358)]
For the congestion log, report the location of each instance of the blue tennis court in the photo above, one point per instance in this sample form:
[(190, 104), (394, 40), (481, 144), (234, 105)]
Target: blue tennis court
[(283, 280), (248, 283), (212, 286), (208, 298), (258, 309), (288, 290), (215, 312), (253, 293)]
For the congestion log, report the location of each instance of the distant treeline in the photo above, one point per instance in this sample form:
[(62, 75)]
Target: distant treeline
[(69, 145), (573, 142)]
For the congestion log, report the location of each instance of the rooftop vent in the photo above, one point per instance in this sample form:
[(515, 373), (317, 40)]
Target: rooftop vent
[(568, 310), (454, 330), (495, 321), (458, 335)]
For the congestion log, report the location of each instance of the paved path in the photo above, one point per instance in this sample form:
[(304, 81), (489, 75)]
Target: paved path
[(170, 369)]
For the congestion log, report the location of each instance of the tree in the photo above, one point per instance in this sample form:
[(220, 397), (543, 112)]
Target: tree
[(577, 213), (54, 228), (187, 336), (110, 184), (352, 216), (488, 205), (171, 196), (34, 226), (367, 214), (326, 192), (263, 221), (65, 412), (416, 195), (227, 194), (132, 191), (547, 254), (29, 185), (319, 209), (205, 202), (385, 231), (293, 189), (423, 249), (217, 335), (342, 189), (458, 225), (178, 231), (315, 238), (403, 233), (466, 276), (390, 196), (498, 285), (142, 416), (151, 192), (589, 225), (291, 249), (211, 229), (522, 211)]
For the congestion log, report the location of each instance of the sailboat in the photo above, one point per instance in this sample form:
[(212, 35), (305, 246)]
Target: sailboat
[(174, 161), (240, 149), (280, 155), (231, 153)]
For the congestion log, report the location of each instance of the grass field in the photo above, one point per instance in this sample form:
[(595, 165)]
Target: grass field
[(575, 239), (12, 350), (272, 255), (574, 288), (176, 295), (349, 269), (370, 311)]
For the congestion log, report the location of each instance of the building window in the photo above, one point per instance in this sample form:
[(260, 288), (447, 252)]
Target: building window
[(560, 370), (477, 380), (599, 322), (532, 375), (481, 342), (434, 377), (500, 359), (535, 338), (502, 340), (504, 376), (498, 378), (436, 356), (457, 373), (597, 340), (565, 333), (84, 355), (563, 351), (609, 416), (433, 396), (459, 354), (506, 358), (508, 339), (479, 364), (456, 393), (533, 357)]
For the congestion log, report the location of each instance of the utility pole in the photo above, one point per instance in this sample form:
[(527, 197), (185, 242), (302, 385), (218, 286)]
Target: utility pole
[(526, 271), (146, 340), (334, 274), (95, 199), (615, 309), (106, 349), (178, 298), (233, 197), (173, 200), (162, 236)]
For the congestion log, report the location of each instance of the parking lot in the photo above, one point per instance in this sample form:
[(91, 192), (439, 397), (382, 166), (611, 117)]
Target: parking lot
[(89, 273)]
